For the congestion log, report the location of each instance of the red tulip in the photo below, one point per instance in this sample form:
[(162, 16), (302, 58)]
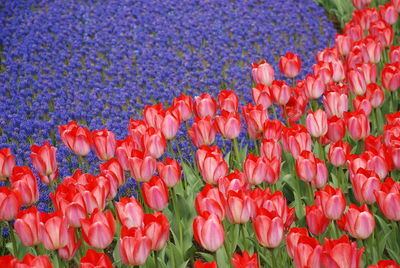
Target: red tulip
[(104, 144), (290, 65), (276, 202), (361, 4), (374, 49), (357, 81), (262, 95), (321, 177), (273, 129), (315, 87), (316, 220), (170, 123), (203, 131), (170, 171), (388, 199), (268, 227), (211, 200), (7, 163), (331, 201), (208, 231), (10, 202), (245, 261), (338, 153), (343, 43), (113, 169), (390, 76), (308, 253), (136, 129), (78, 139), (335, 103), (142, 166), (358, 221), (255, 168), (156, 227), (394, 54), (317, 123), (130, 212), (327, 54), (228, 101), (375, 95), (211, 164), (199, 264), (353, 30), (263, 73), (280, 92), (338, 70), (383, 31), (364, 185), (33, 261), (362, 103), (24, 182), (385, 264), (27, 226), (239, 207), (205, 106), (69, 251), (336, 129), (124, 150), (389, 13), (292, 239), (270, 148), (98, 230), (151, 115), (357, 56), (95, 193), (95, 259), (155, 193), (44, 160), (306, 166), (184, 105), (234, 181), (228, 124), (296, 139), (53, 230), (154, 143), (357, 124), (255, 116), (323, 70)]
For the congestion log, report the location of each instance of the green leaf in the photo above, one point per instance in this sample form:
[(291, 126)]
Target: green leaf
[(222, 258), (208, 257), (116, 256)]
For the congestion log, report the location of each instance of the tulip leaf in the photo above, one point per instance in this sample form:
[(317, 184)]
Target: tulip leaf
[(208, 257), (189, 173), (116, 256), (335, 181), (222, 257)]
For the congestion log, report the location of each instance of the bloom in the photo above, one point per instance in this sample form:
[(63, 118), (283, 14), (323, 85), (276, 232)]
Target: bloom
[(290, 65), (104, 144), (208, 231), (98, 230), (78, 139), (155, 193)]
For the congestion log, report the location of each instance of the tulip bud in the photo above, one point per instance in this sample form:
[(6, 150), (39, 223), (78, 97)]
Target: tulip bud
[(375, 95), (129, 212), (170, 171), (317, 123), (388, 199), (239, 207), (357, 124), (331, 201), (205, 106), (338, 153), (98, 230), (268, 227), (262, 95), (184, 105), (154, 143), (316, 220), (134, 246), (10, 202), (389, 13), (208, 231), (343, 43), (24, 182), (255, 117), (339, 251), (53, 230), (155, 194), (211, 200), (290, 65), (358, 221), (104, 144), (390, 76), (142, 167), (306, 166), (27, 226), (228, 124), (228, 101), (308, 252), (263, 73), (78, 139), (335, 103), (69, 251), (365, 183), (7, 163), (202, 132), (156, 227), (280, 92)]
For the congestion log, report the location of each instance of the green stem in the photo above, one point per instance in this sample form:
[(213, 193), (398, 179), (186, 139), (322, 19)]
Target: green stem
[(274, 111), (271, 250), (155, 258), (12, 237), (60, 261), (170, 149), (178, 219), (321, 149), (81, 163), (237, 154), (256, 147), (243, 229), (191, 146)]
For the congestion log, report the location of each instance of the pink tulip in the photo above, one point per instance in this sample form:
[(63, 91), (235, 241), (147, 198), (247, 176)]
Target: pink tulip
[(7, 163), (155, 193), (130, 212), (263, 73), (208, 231), (53, 230), (98, 230), (134, 246)]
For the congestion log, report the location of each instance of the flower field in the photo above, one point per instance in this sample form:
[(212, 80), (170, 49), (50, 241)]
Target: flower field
[(200, 134)]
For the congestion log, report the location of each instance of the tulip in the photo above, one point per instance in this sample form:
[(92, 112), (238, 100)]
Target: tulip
[(343, 43), (7, 163), (331, 201), (69, 251), (336, 129), (203, 131), (321, 176), (211, 200), (184, 105), (142, 166), (290, 65), (378, 164), (136, 129), (364, 184), (357, 124), (255, 116), (212, 165), (361, 4), (383, 31), (255, 168), (114, 167), (358, 221), (44, 160), (130, 212), (389, 13), (156, 227), (245, 261), (388, 199), (10, 202), (268, 227), (228, 101), (317, 123), (53, 230), (98, 230), (154, 143), (208, 231), (394, 54), (308, 252), (338, 70), (24, 182), (27, 226), (104, 144), (155, 194), (296, 139), (280, 92), (327, 54), (335, 103), (272, 129), (262, 95), (373, 143), (270, 148), (390, 76), (357, 81), (338, 152), (205, 106), (374, 48), (124, 150), (239, 207), (34, 261), (78, 139), (306, 166), (362, 103), (357, 56), (354, 31), (314, 87), (276, 202), (375, 95), (170, 171), (170, 123), (151, 115), (385, 264), (234, 181), (228, 124), (202, 152), (199, 264), (323, 70), (263, 73), (95, 193), (316, 220), (95, 259), (292, 239)]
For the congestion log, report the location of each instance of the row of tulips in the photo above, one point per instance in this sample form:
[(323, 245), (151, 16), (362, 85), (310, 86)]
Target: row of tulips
[(323, 170)]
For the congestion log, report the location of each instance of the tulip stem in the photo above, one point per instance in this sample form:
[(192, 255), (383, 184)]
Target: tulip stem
[(178, 219), (12, 237), (191, 146), (274, 111), (271, 250), (237, 154), (321, 149), (243, 227), (155, 258)]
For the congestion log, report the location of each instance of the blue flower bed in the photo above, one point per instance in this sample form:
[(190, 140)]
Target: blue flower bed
[(101, 62)]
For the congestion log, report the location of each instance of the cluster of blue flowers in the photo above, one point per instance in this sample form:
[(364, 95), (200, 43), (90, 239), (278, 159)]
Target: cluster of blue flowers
[(101, 62)]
